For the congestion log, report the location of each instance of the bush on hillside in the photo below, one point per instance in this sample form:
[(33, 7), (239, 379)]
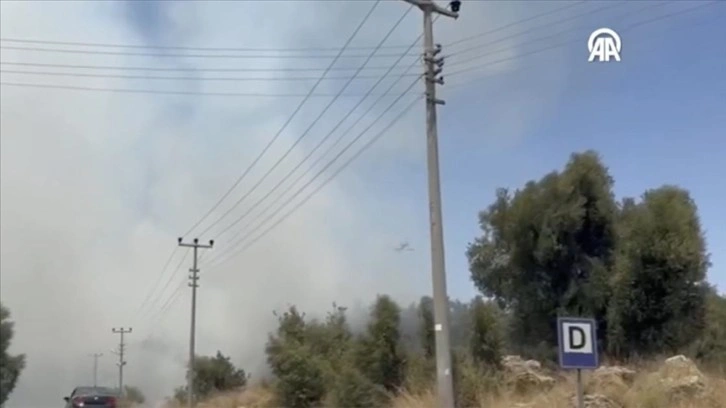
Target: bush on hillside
[(213, 375), (486, 342)]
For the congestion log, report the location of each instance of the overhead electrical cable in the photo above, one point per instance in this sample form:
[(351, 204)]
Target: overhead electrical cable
[(166, 285), (185, 48), (313, 123), (187, 78), (158, 281), (167, 55), (317, 189), (306, 95), (535, 28), (181, 69), (346, 148), (284, 126), (323, 155)]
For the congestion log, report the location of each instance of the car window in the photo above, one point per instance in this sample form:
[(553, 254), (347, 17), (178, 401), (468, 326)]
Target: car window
[(92, 390)]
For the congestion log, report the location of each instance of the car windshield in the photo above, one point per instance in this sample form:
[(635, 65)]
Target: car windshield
[(94, 391)]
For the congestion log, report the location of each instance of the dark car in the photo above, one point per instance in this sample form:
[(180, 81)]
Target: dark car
[(92, 397)]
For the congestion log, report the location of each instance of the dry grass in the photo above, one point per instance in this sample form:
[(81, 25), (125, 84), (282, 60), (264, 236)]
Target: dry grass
[(645, 392)]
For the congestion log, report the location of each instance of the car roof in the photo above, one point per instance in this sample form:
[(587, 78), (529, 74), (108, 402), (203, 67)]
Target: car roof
[(93, 390)]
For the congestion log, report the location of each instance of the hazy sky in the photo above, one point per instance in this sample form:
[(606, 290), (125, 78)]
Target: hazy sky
[(97, 185)]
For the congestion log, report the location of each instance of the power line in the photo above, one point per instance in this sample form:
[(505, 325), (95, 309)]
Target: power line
[(170, 280), (546, 25), (158, 281), (155, 317), (252, 49), (181, 69), (167, 55), (407, 52), (314, 122), (534, 17), (286, 95), (266, 49), (160, 69), (330, 148), (340, 153), (538, 39), (187, 78), (236, 94), (317, 189), (184, 48), (165, 92), (284, 126)]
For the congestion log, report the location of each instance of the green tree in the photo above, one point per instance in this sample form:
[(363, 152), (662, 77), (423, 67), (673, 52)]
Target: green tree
[(548, 249), (380, 356), (711, 346), (216, 374), (660, 298), (351, 389), (213, 374), (426, 330), (10, 366), (485, 343), (330, 338), (298, 369)]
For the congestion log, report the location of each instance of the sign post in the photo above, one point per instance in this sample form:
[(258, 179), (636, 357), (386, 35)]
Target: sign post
[(577, 346)]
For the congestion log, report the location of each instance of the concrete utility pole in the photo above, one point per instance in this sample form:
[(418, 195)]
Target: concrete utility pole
[(121, 362), (194, 285), (95, 367), (434, 66)]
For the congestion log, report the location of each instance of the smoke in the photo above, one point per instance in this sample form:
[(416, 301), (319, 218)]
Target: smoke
[(97, 186)]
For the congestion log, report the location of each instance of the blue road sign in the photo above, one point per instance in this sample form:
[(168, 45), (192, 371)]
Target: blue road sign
[(577, 340)]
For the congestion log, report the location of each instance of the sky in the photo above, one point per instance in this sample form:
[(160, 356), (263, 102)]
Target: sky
[(98, 185)]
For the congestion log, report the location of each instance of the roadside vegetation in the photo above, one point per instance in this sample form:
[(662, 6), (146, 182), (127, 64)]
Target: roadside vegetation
[(560, 245)]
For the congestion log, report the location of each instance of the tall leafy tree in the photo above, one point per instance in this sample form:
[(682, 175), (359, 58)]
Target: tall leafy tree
[(548, 248), (380, 356), (10, 366), (660, 288)]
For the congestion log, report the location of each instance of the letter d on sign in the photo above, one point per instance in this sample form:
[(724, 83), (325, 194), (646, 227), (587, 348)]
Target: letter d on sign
[(577, 338)]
